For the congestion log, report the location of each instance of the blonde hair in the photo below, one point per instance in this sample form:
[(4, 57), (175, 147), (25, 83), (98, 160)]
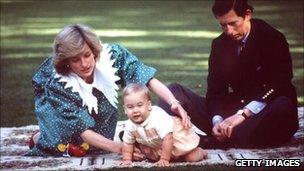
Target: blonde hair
[(135, 88), (70, 42)]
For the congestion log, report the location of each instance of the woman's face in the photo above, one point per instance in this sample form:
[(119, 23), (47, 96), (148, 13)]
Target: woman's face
[(83, 64)]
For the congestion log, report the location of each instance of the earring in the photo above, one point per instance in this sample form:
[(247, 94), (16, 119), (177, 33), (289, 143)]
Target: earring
[(68, 66)]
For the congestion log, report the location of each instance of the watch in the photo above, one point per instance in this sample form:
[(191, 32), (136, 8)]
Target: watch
[(241, 112)]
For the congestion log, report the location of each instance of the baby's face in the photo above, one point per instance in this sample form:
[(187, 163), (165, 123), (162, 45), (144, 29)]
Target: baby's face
[(137, 107)]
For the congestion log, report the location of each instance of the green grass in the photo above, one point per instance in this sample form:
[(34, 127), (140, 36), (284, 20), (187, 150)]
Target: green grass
[(172, 36)]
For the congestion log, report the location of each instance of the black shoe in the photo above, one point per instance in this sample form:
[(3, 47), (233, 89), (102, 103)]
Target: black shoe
[(207, 142)]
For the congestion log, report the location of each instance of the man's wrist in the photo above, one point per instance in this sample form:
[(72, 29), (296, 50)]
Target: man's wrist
[(242, 113), (248, 112), (255, 107)]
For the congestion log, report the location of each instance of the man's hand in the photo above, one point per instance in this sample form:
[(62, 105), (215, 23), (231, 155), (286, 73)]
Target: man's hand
[(216, 132), (226, 127), (179, 110)]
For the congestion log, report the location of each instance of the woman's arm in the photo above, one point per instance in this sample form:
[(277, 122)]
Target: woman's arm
[(99, 141), (164, 93)]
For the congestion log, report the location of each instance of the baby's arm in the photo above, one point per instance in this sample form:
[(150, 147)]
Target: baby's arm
[(127, 153), (167, 147)]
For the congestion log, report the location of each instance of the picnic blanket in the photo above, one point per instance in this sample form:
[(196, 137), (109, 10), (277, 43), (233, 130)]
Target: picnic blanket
[(14, 145)]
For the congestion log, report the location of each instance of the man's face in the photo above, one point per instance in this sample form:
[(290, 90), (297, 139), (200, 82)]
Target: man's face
[(234, 26)]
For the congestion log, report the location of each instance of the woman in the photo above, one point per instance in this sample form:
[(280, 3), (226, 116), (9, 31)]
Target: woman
[(76, 92)]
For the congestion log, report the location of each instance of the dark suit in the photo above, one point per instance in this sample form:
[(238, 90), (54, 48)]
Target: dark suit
[(263, 64), (261, 72)]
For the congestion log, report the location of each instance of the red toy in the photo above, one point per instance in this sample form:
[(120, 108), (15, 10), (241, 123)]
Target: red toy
[(70, 149), (74, 150)]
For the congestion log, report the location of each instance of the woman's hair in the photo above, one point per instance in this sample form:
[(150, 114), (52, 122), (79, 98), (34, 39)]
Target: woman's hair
[(135, 88), (222, 7), (70, 42)]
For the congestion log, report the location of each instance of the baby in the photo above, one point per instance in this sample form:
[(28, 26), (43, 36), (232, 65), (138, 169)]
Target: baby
[(161, 137)]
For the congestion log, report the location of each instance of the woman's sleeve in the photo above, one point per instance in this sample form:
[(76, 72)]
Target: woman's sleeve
[(130, 69), (70, 110), (60, 115)]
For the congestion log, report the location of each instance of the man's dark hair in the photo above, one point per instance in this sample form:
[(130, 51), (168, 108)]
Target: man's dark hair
[(222, 7)]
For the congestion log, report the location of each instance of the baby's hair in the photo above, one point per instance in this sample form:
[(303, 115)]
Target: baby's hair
[(135, 88)]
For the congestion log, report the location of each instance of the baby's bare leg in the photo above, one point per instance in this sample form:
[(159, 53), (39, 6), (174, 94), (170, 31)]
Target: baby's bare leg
[(195, 155)]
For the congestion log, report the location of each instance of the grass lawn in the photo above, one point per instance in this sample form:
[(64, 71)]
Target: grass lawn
[(172, 36)]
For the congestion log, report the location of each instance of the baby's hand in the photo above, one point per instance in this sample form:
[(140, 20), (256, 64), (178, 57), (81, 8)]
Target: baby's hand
[(162, 163), (125, 163), (138, 155)]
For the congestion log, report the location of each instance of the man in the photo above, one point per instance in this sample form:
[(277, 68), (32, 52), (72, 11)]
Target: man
[(250, 100)]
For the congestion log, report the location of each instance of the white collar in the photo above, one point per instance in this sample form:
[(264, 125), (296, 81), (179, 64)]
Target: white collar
[(244, 40), (104, 80)]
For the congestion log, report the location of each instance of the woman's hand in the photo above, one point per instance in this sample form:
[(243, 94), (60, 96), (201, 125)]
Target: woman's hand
[(93, 138), (164, 93), (177, 108)]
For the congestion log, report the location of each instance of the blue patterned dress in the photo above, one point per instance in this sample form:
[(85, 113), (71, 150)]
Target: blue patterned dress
[(66, 106)]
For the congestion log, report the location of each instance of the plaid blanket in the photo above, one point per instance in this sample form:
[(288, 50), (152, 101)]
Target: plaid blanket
[(14, 145)]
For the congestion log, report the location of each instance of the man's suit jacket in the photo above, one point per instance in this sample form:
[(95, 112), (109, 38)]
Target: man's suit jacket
[(261, 72)]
